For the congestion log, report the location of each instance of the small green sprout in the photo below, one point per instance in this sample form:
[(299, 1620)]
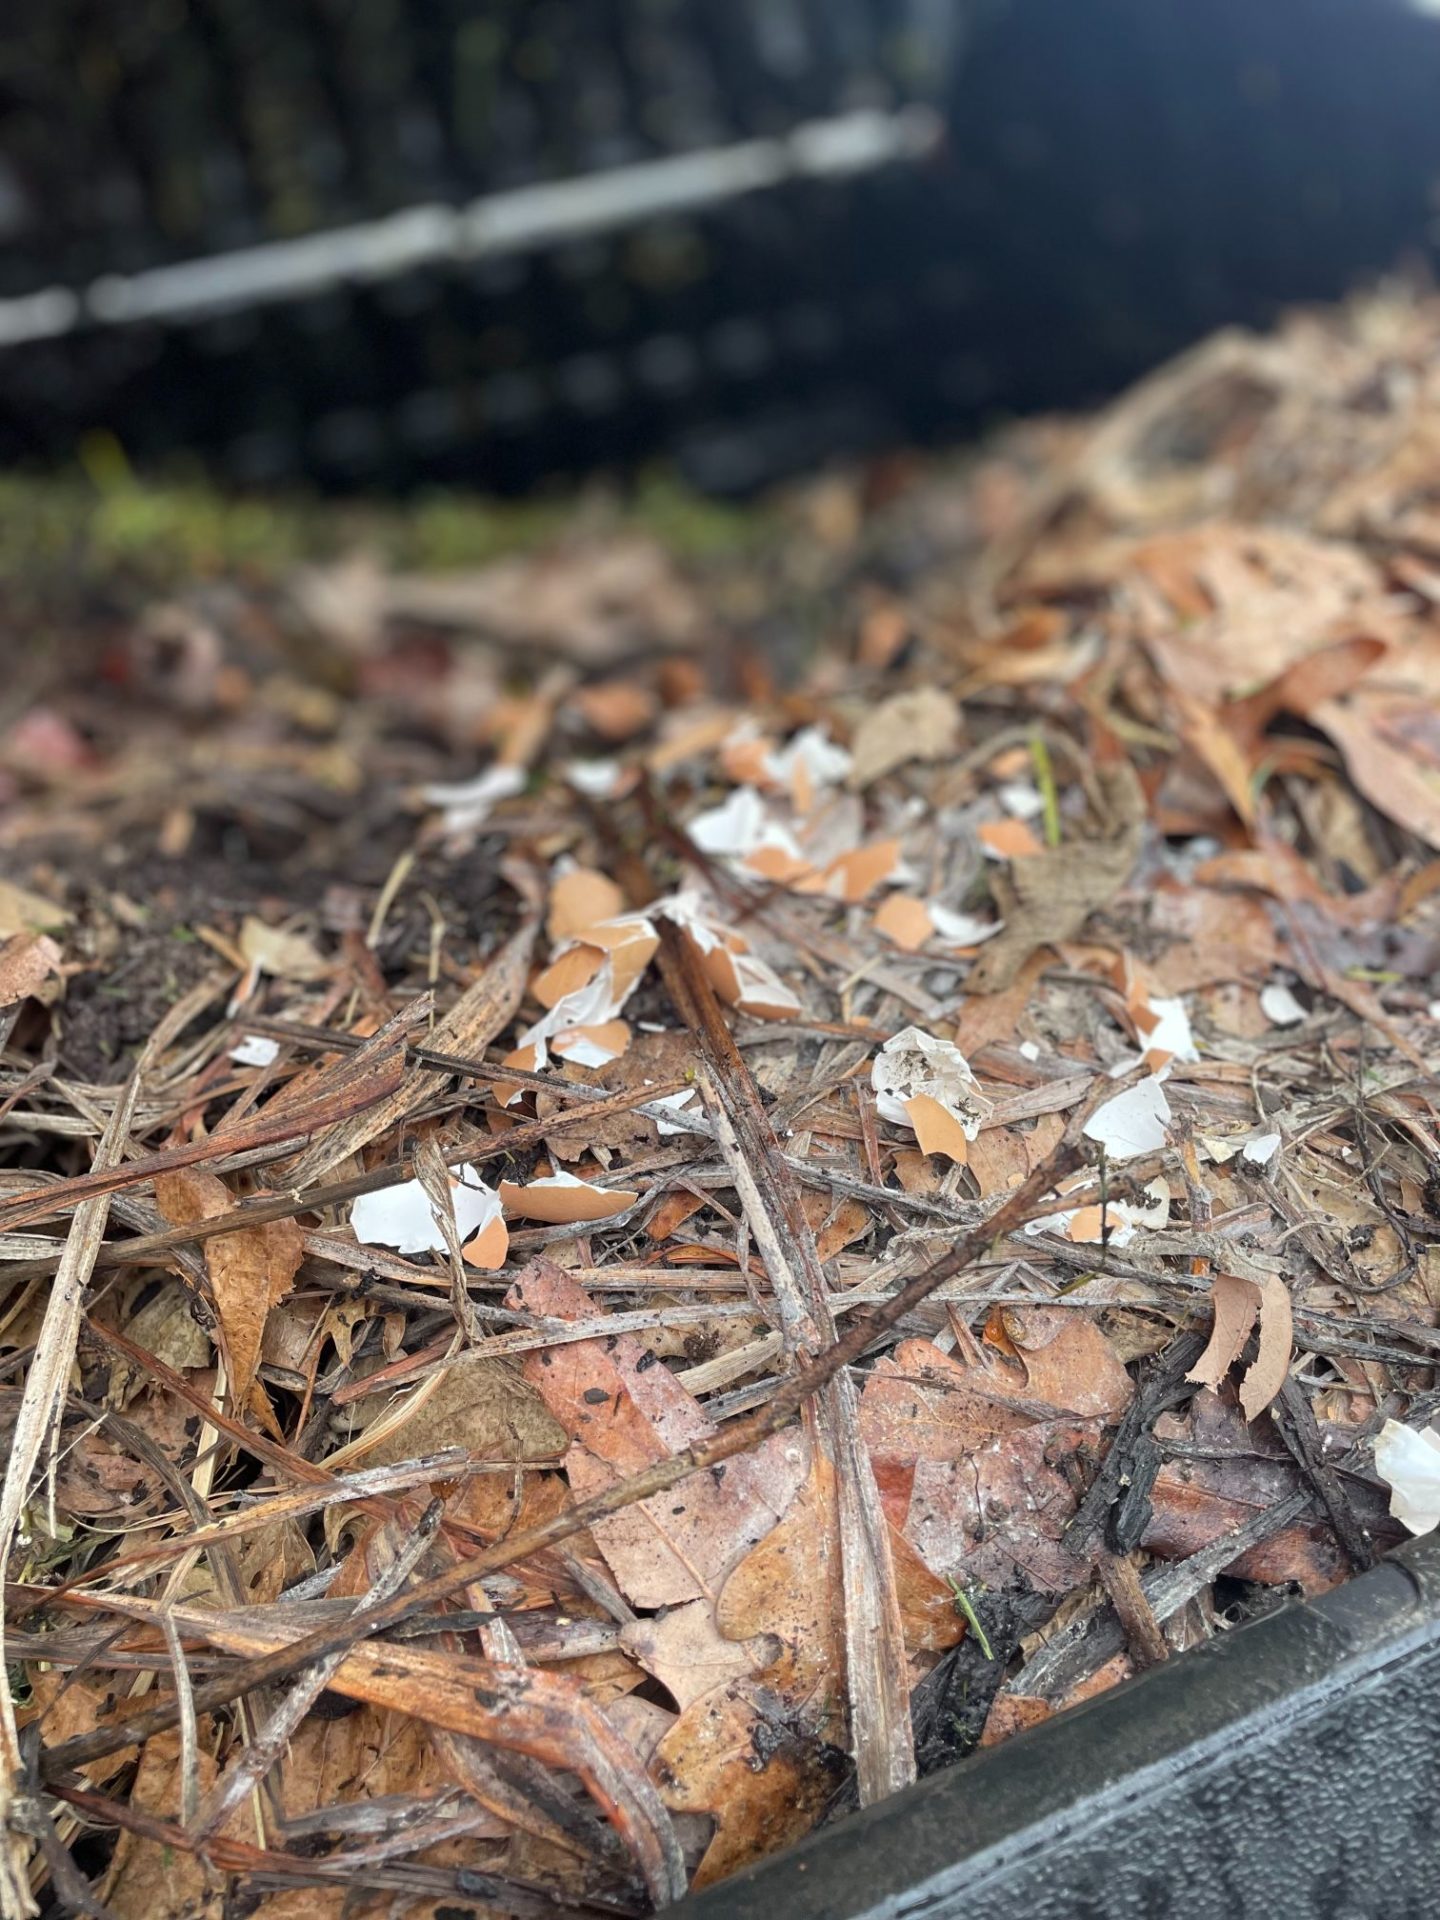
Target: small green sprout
[(966, 1606)]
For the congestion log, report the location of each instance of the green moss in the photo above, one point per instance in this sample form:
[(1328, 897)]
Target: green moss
[(102, 526)]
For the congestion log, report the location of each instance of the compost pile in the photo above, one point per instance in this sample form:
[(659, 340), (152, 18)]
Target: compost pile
[(911, 1045)]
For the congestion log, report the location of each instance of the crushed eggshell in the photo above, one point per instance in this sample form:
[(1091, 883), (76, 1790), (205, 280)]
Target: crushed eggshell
[(854, 876), (1408, 1461), (592, 1046), (741, 979), (585, 987), (579, 898), (905, 921), (914, 1064), (739, 827), (808, 763), (1261, 1150), (1164, 1028), (255, 1051), (673, 1102), (1007, 840), (487, 1248), (403, 1217), (937, 1129), (1133, 1122), (746, 982), (1021, 799), (467, 804), (562, 1200), (1116, 1222), (1279, 1005), (596, 779), (962, 929), (575, 968)]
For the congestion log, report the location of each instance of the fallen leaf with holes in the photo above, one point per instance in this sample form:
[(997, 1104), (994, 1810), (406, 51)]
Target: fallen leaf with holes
[(971, 1464), (622, 1410), (1229, 1472)]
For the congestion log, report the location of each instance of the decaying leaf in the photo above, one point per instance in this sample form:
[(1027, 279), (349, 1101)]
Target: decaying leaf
[(147, 1880), (1049, 897), (485, 1406), (623, 1412), (1171, 885)]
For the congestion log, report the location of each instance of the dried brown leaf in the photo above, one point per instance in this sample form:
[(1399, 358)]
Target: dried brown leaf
[(1267, 1375), (27, 962), (922, 723), (250, 1271)]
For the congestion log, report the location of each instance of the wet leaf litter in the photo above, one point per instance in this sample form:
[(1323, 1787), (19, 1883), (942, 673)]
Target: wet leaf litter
[(609, 1252)]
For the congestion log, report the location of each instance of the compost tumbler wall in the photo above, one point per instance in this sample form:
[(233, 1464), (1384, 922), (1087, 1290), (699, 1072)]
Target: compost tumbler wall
[(1116, 177)]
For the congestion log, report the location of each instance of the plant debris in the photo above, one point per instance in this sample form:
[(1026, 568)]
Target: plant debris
[(586, 1224)]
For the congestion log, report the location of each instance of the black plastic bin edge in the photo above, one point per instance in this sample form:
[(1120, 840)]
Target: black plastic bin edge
[(1291, 1768)]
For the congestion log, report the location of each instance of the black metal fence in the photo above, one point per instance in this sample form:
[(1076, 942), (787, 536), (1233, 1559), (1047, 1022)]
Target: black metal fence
[(1115, 177)]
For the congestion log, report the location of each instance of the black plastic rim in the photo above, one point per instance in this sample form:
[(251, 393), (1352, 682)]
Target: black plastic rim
[(1286, 1770)]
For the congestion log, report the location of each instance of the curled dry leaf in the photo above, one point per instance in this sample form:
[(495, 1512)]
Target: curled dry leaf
[(250, 1271), (1238, 1304), (27, 962)]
